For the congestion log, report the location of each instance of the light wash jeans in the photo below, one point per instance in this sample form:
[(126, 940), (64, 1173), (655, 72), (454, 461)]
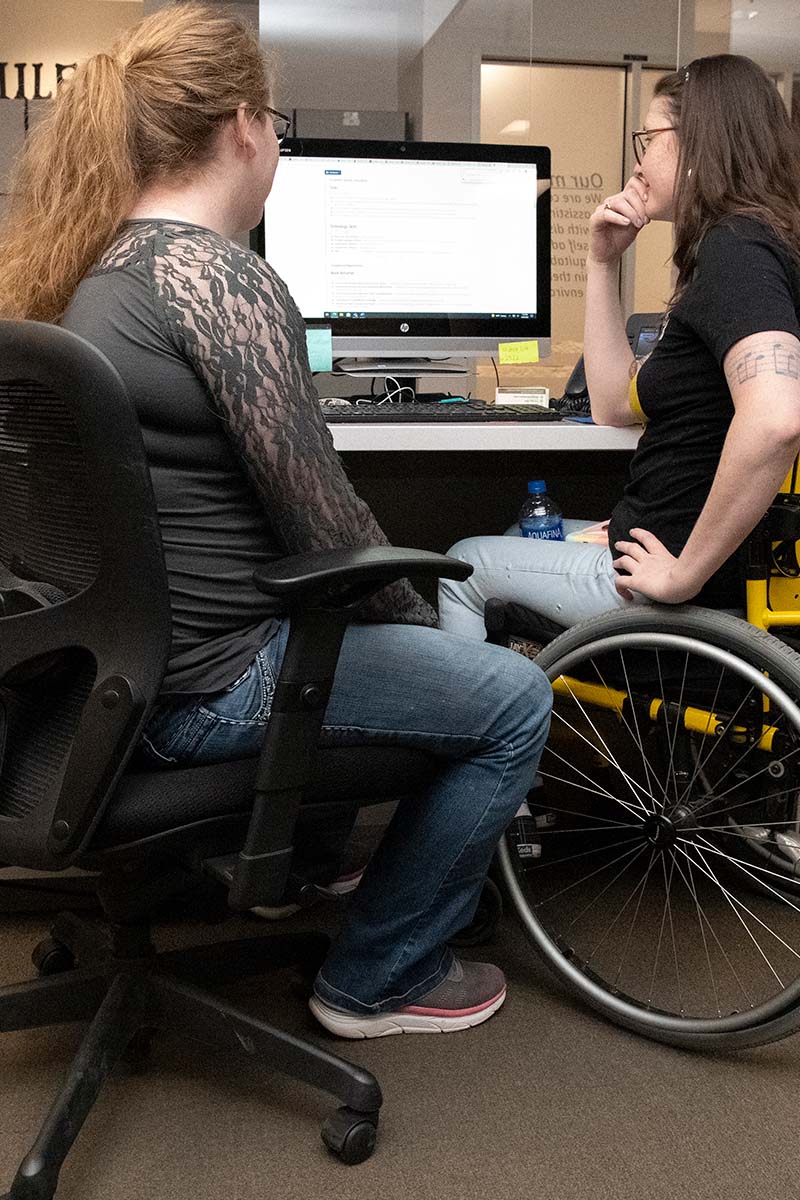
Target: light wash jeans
[(565, 581), (483, 711)]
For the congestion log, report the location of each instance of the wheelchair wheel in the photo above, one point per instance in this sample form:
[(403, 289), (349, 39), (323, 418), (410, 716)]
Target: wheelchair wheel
[(660, 895)]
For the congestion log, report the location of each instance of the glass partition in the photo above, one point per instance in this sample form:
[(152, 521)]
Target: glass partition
[(579, 111), (767, 31)]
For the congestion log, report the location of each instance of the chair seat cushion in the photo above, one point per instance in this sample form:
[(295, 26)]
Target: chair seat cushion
[(152, 802)]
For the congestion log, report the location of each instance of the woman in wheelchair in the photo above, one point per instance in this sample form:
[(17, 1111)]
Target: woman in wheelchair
[(659, 875), (720, 393), (121, 227)]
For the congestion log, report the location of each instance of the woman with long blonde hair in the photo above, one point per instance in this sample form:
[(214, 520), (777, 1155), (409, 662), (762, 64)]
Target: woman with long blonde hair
[(120, 227)]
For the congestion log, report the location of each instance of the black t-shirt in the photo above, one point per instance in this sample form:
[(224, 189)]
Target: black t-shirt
[(746, 282)]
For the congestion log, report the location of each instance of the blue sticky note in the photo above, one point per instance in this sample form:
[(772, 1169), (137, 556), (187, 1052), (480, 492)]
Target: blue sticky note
[(320, 348)]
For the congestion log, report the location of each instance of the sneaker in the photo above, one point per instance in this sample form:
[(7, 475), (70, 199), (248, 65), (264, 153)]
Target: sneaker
[(469, 994), (344, 884), (341, 886)]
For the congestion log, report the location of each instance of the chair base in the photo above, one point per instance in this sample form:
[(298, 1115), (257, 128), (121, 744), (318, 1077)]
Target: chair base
[(49, 894), (127, 991)]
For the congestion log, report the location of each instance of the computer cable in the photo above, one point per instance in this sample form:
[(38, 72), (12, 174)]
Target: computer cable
[(395, 396)]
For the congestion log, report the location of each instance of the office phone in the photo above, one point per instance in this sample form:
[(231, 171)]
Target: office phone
[(642, 330)]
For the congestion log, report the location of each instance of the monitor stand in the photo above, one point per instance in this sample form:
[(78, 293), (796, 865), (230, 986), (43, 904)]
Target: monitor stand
[(404, 374), (401, 366)]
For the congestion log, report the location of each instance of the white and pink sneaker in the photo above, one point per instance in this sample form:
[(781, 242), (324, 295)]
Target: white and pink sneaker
[(469, 994)]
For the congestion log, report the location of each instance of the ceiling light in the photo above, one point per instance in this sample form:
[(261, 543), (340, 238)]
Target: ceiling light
[(517, 127)]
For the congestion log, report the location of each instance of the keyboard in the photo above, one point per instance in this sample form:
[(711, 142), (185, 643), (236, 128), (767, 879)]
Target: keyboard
[(434, 412)]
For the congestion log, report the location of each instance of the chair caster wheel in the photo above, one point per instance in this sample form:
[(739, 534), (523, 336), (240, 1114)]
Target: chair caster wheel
[(351, 1135), (52, 958)]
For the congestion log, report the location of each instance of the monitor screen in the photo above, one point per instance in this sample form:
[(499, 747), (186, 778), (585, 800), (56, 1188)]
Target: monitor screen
[(414, 249)]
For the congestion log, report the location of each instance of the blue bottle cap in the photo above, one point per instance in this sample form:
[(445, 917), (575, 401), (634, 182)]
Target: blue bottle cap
[(536, 487)]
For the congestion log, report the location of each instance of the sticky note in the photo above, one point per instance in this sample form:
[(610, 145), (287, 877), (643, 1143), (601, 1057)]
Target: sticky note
[(518, 352), (320, 348)]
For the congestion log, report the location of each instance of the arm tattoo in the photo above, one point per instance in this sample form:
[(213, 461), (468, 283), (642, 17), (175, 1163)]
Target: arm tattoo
[(770, 355)]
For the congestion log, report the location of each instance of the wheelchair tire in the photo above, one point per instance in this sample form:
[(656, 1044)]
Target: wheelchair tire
[(648, 901)]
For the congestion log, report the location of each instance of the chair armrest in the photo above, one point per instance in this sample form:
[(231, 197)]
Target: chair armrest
[(342, 578), (320, 589)]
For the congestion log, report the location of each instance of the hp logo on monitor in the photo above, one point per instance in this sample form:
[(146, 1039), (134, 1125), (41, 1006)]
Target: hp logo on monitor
[(404, 328)]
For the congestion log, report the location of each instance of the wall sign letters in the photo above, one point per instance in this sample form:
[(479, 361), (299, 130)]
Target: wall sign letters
[(13, 82)]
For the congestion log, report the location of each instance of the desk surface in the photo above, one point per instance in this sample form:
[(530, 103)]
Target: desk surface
[(502, 435)]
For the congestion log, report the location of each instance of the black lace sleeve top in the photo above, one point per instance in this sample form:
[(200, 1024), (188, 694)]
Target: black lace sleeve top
[(212, 349)]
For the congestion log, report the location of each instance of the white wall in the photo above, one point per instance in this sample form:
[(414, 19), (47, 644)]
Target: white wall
[(332, 55)]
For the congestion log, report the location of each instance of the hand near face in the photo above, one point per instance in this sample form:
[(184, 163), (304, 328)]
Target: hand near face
[(615, 224)]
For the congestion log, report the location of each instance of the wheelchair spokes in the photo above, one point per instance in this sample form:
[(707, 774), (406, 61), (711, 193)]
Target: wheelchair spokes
[(666, 889)]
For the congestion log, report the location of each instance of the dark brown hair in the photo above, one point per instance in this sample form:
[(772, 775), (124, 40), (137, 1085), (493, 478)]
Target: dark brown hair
[(738, 154)]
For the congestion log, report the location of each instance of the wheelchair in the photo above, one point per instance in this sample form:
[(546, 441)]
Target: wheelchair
[(658, 874)]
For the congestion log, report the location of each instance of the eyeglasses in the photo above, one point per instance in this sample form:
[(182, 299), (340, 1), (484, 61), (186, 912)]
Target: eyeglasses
[(642, 139), (280, 122)]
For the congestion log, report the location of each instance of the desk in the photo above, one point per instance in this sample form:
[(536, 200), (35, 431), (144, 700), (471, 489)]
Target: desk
[(431, 485), (450, 437)]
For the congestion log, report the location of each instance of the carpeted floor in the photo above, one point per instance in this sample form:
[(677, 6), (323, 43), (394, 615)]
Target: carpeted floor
[(545, 1101)]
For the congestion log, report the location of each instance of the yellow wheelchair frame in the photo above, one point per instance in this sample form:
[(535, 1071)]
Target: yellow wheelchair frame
[(617, 812), (772, 598)]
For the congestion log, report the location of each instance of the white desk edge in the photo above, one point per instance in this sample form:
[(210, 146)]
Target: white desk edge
[(484, 436)]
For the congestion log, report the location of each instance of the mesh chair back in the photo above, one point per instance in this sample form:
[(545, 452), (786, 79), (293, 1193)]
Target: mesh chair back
[(84, 609)]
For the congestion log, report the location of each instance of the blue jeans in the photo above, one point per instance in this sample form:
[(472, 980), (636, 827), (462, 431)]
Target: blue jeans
[(565, 581), (483, 711)]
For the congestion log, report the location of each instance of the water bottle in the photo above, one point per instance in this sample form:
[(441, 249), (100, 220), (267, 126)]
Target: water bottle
[(539, 517)]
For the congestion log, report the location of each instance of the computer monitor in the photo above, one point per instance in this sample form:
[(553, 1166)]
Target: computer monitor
[(414, 250)]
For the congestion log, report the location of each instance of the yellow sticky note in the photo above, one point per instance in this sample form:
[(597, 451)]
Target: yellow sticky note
[(518, 352)]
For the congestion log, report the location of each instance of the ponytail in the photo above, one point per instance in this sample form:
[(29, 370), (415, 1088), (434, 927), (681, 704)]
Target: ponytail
[(151, 111), (73, 187)]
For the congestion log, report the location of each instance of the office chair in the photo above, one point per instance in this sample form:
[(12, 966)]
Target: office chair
[(658, 873), (84, 641)]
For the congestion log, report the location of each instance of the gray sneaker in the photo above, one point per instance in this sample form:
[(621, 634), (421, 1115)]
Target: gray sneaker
[(469, 994)]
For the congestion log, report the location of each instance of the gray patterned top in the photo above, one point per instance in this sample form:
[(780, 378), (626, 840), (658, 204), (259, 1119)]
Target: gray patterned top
[(212, 349)]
